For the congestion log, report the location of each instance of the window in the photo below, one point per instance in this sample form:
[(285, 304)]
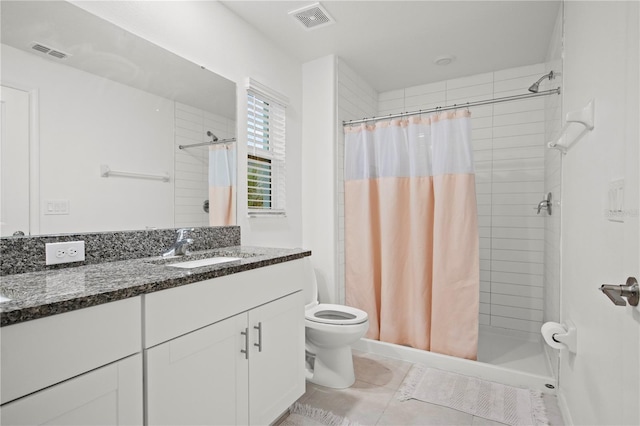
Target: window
[(265, 151)]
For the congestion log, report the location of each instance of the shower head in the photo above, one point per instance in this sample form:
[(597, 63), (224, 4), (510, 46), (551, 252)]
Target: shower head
[(214, 137), (536, 86)]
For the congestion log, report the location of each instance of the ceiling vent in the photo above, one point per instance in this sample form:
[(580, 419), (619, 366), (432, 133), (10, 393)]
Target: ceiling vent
[(48, 50), (312, 16)]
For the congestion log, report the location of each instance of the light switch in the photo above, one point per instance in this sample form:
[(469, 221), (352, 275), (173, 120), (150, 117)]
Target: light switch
[(56, 207), (615, 211)]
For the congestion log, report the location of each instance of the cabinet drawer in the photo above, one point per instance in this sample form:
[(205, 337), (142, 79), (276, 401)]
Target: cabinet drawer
[(173, 312), (110, 395), (46, 351)]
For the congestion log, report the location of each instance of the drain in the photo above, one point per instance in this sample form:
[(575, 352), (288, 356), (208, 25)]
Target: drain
[(550, 386)]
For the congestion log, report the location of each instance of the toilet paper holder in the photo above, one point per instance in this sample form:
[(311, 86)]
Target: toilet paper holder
[(566, 336), (570, 338)]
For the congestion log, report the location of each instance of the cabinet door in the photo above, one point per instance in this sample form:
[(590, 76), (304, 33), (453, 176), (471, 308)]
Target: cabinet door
[(199, 378), (111, 395), (276, 368)]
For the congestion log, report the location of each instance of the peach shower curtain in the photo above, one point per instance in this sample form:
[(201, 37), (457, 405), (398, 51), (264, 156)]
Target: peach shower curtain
[(222, 182), (411, 231)]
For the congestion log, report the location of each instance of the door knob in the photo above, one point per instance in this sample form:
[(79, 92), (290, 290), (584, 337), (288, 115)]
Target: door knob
[(617, 293)]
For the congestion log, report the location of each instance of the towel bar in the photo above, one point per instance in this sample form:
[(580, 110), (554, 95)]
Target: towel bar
[(105, 171)]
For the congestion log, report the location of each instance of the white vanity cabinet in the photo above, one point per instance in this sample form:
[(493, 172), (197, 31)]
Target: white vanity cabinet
[(228, 350), (82, 367)]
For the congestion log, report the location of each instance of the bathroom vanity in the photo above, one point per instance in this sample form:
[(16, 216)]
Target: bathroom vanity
[(142, 342)]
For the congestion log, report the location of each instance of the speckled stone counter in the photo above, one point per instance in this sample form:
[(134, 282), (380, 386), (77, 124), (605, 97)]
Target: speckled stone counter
[(43, 293)]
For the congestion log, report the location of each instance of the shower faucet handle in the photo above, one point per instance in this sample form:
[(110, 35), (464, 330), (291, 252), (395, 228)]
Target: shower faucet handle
[(617, 293), (545, 204)]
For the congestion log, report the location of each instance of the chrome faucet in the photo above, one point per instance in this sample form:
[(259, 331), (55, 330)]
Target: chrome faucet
[(545, 204), (181, 246)]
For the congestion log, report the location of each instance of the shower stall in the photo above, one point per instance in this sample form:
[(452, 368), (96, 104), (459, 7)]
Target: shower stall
[(518, 220)]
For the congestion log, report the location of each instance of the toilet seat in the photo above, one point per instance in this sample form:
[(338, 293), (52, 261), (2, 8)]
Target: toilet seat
[(327, 313)]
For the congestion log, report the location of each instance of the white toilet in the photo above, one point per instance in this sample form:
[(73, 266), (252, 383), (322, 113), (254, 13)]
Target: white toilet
[(329, 332)]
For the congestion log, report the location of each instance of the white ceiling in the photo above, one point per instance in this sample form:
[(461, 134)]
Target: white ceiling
[(393, 44)]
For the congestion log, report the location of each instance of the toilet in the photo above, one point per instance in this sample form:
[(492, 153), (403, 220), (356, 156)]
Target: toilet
[(329, 332)]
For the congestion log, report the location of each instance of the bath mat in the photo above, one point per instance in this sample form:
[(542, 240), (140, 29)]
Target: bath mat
[(481, 398), (304, 414)]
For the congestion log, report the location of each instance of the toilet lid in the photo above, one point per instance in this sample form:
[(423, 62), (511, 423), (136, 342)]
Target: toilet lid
[(335, 314)]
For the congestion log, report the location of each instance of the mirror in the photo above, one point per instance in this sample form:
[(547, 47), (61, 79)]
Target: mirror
[(92, 120)]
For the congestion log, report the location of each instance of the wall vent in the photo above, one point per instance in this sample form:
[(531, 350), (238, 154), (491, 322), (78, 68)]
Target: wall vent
[(48, 50), (312, 16)]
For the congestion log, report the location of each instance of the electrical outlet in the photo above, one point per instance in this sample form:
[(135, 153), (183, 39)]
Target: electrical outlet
[(65, 252)]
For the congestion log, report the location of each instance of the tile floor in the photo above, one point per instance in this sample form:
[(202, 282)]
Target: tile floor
[(372, 399)]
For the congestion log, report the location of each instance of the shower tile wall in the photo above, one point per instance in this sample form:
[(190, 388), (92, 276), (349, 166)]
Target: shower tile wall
[(191, 165), (509, 153), (356, 99)]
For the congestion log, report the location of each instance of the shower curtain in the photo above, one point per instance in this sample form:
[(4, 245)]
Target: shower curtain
[(222, 182), (411, 231)]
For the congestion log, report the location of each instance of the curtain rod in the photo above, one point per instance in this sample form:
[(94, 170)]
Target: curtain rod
[(207, 143), (455, 106)]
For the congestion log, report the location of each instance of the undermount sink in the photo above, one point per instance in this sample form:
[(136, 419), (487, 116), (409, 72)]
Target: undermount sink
[(203, 262)]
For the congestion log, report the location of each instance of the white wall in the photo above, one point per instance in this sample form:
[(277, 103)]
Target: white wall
[(318, 165), (600, 384), (509, 149), (333, 93), (79, 132), (207, 33)]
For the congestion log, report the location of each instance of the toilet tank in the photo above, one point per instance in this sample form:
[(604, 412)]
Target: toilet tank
[(310, 287)]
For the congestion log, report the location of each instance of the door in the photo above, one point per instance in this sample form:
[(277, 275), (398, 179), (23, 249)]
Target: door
[(109, 395), (199, 378), (14, 161), (276, 360)]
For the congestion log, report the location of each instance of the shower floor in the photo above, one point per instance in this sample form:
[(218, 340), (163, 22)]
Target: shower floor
[(521, 352), (508, 357)]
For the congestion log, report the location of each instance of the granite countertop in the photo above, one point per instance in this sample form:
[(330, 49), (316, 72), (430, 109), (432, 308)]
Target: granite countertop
[(39, 294)]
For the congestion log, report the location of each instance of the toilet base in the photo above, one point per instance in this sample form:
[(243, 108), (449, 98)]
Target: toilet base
[(333, 368)]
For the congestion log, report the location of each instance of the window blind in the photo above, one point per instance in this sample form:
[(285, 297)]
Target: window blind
[(266, 171)]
